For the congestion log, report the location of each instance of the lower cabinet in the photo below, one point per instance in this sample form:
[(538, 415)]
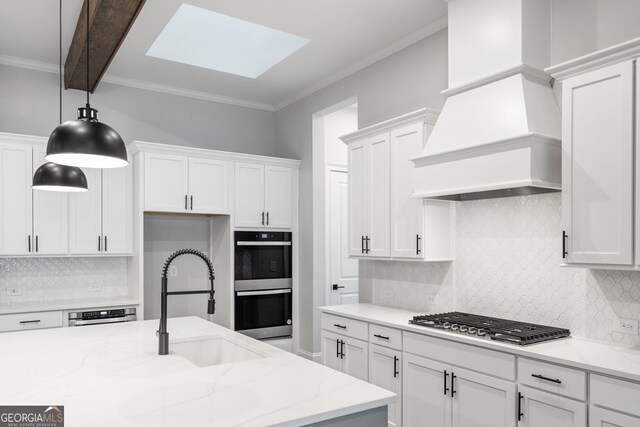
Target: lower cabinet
[(346, 354), (436, 394), (600, 417), (542, 409), (385, 371)]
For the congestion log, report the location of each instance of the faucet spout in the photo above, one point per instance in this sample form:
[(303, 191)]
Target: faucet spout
[(163, 335)]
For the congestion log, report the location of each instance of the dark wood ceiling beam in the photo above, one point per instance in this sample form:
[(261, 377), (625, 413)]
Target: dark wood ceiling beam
[(109, 24)]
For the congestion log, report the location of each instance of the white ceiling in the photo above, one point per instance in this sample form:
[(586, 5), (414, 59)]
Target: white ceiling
[(345, 36)]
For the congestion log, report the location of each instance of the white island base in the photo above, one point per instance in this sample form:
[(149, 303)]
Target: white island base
[(111, 375)]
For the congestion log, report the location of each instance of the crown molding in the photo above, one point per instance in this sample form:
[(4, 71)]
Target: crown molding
[(424, 114), (425, 32)]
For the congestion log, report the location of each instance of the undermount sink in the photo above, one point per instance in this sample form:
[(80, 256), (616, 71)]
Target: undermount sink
[(212, 351)]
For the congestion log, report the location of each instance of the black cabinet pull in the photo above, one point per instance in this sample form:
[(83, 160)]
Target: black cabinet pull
[(362, 244), (335, 287), (382, 337), (520, 414), (395, 366), (337, 347), (341, 349), (453, 384), (339, 326), (185, 203), (418, 244), (445, 377), (29, 242), (541, 377), (24, 322), (191, 202), (366, 241), (36, 243), (564, 245), (267, 218), (105, 243), (262, 218), (99, 247)]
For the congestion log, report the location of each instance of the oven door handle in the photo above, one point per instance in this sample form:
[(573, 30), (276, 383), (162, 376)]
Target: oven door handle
[(120, 319), (271, 292), (280, 243)]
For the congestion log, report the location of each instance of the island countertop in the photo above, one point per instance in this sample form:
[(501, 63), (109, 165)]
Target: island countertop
[(111, 375)]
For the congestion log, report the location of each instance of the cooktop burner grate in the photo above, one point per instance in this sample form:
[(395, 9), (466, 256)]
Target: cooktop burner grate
[(510, 331)]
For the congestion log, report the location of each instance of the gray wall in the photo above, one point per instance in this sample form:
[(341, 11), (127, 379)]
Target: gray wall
[(29, 105), (406, 81)]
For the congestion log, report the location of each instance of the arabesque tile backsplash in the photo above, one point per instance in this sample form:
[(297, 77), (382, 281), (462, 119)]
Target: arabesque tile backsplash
[(508, 265), (43, 280)]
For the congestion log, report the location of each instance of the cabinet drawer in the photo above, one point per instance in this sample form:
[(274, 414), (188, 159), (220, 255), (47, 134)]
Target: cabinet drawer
[(350, 327), (25, 321), (387, 337), (556, 379), (495, 363), (615, 394)]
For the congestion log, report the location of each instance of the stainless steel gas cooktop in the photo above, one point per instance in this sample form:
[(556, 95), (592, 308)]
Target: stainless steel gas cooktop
[(509, 331)]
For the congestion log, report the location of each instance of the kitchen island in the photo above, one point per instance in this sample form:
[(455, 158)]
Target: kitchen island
[(112, 375)]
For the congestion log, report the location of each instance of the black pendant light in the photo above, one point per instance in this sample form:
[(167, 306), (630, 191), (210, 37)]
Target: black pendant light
[(86, 142), (54, 177)]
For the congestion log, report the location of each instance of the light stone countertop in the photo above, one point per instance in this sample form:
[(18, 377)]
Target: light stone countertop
[(590, 355), (111, 375), (55, 305)]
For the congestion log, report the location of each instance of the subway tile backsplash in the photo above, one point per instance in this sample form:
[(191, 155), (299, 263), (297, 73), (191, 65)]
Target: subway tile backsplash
[(508, 254), (43, 280)]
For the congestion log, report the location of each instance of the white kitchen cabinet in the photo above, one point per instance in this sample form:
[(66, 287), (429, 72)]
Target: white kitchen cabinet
[(542, 409), (100, 220), (600, 417), (384, 371), (426, 387), (16, 221), (182, 184), (50, 215), (166, 180), (385, 221), (345, 354), (33, 222), (598, 166), (264, 196)]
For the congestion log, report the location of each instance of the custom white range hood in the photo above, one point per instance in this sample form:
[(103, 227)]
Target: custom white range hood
[(499, 131)]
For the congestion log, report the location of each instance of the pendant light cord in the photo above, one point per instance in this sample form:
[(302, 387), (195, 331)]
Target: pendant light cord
[(87, 53), (60, 61)]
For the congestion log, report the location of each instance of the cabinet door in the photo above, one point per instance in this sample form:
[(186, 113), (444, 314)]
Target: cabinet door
[(379, 243), (358, 189), (278, 192), (15, 199), (599, 417), (50, 215), (541, 409), (425, 392), (384, 371), (331, 351), (407, 214), (165, 183), (208, 186), (249, 193), (482, 401), (597, 165), (85, 216), (117, 210), (356, 358)]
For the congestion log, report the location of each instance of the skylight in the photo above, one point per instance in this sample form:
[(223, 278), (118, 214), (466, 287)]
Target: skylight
[(208, 39)]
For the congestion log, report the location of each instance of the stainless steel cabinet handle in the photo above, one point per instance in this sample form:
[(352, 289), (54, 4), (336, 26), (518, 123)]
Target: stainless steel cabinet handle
[(272, 292), (279, 243)]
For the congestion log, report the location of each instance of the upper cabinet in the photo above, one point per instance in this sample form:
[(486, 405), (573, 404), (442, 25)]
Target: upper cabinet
[(599, 158), (182, 184), (101, 218), (263, 195), (384, 220), (31, 222)]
